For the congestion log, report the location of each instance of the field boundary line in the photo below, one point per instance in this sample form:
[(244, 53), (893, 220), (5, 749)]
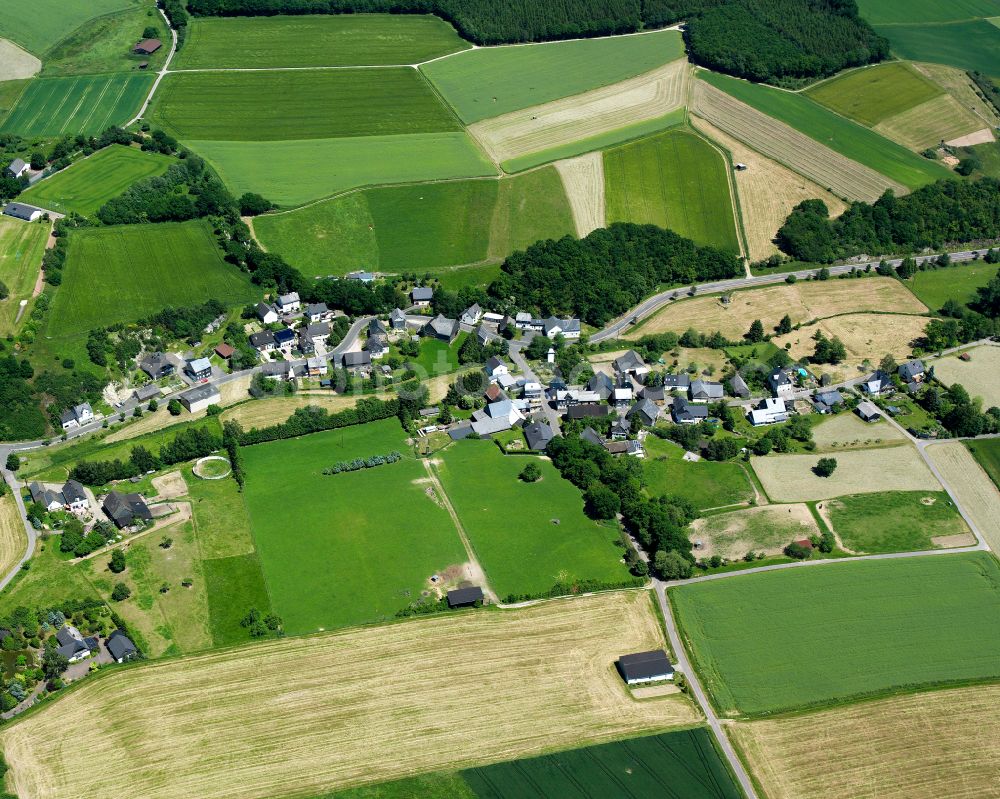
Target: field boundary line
[(734, 201), (159, 75)]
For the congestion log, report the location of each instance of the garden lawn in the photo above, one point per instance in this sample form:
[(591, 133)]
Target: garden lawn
[(21, 247), (39, 25), (234, 585), (675, 180), (124, 273), (911, 11), (437, 357), (316, 168), (348, 548), (707, 484), (936, 286), (895, 521), (513, 527), (875, 93), (970, 45), (987, 454), (315, 41), (488, 82), (87, 104), (836, 132), (281, 105), (86, 185), (779, 641)]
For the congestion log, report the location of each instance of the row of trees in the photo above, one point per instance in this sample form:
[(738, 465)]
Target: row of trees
[(194, 442)]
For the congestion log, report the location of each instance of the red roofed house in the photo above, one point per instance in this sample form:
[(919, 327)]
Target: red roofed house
[(147, 47)]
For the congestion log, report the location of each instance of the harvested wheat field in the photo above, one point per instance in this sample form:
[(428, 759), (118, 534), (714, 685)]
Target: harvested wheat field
[(847, 431), (802, 301), (583, 179), (920, 746), (866, 336), (972, 487), (302, 716), (960, 86), (13, 539), (765, 529), (789, 478), (15, 63), (930, 123), (980, 376), (831, 170), (592, 113), (768, 191)]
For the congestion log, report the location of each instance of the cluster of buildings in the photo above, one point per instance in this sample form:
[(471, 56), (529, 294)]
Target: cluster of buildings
[(72, 497), (74, 647)]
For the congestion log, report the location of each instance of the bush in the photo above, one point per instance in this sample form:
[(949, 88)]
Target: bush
[(825, 467), (117, 562), (174, 407), (798, 551), (121, 592), (531, 473), (671, 566)]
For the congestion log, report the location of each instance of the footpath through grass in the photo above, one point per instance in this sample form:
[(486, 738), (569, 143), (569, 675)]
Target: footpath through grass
[(820, 635)]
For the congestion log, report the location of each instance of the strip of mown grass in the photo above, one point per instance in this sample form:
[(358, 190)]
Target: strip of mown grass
[(971, 45), (21, 247), (875, 93), (814, 636), (895, 521), (282, 105), (987, 454), (836, 132), (86, 185), (675, 180)]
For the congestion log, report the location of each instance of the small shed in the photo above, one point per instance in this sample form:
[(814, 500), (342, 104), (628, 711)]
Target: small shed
[(869, 411), (465, 597), (147, 47), (645, 667)]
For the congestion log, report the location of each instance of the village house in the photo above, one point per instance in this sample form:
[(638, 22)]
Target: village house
[(912, 372), (826, 401), (680, 384), (771, 410), (646, 411), (485, 336), (567, 328), (120, 647), (868, 411), (781, 384), (277, 370), (878, 383), (495, 367), (739, 387), (313, 335), (442, 328), (538, 435), (621, 397), (72, 645), (289, 303), (262, 341), (706, 391), (471, 315), (657, 394), (146, 392), (685, 412), (126, 510), (157, 365), (421, 296), (267, 314), (358, 363), (199, 369), (397, 319), (587, 411), (317, 366), (631, 363), (75, 497), (633, 448), (16, 168), (200, 397), (284, 340), (601, 384), (496, 418), (621, 429), (318, 312), (77, 416), (46, 497)]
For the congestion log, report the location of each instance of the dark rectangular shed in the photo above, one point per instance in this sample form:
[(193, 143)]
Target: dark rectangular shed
[(462, 597), (645, 667)]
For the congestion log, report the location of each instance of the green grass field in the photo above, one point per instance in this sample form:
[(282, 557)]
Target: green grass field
[(912, 11), (21, 248), (875, 93), (455, 279), (339, 553), (706, 483), (682, 764), (317, 168), (972, 45), (444, 784), (488, 82), (321, 104), (316, 41), (88, 184), (987, 453), (675, 180), (840, 134), (119, 274), (38, 26), (530, 207), (778, 641), (84, 104), (935, 287), (511, 523), (895, 521)]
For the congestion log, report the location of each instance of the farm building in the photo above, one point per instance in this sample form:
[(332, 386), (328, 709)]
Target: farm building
[(157, 365), (277, 370), (584, 411), (146, 392), (869, 411), (357, 362), (126, 509), (442, 328), (739, 387), (647, 411), (147, 47), (197, 399), (21, 211), (657, 394), (120, 647), (16, 168), (706, 391), (685, 412), (465, 597), (496, 417), (645, 667), (631, 363), (602, 385)]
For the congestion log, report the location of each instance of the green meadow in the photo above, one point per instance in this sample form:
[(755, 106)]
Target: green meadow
[(879, 12), (675, 180), (822, 635), (21, 247), (895, 521), (836, 132), (338, 553), (487, 82), (39, 25), (987, 453), (527, 536), (873, 94), (971, 45), (316, 41), (89, 183), (707, 484), (936, 286)]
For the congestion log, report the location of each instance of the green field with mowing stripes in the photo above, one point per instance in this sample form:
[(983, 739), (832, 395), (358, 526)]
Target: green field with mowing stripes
[(320, 104), (836, 632), (316, 41), (840, 134), (973, 45), (85, 104), (86, 185), (37, 26), (317, 168), (675, 180), (875, 93), (879, 12), (119, 274), (488, 82), (21, 248)]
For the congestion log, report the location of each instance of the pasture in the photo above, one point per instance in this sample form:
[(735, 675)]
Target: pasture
[(304, 726), (527, 536), (89, 183), (21, 247), (86, 104), (851, 140), (973, 487), (317, 168), (768, 528), (492, 81), (802, 302), (885, 12), (972, 45), (897, 521), (873, 94), (936, 286), (707, 484), (455, 278), (180, 264), (675, 180), (315, 41), (639, 768), (980, 376), (338, 568), (789, 478), (321, 104), (38, 26), (917, 746), (846, 630)]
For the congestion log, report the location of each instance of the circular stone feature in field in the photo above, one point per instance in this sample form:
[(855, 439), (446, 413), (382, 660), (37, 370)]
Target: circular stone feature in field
[(212, 467)]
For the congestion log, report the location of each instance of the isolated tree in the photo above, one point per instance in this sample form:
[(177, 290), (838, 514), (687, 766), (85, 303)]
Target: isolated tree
[(824, 274), (153, 405), (756, 332), (530, 473), (38, 160), (150, 32), (825, 467), (117, 562), (888, 364), (13, 462), (671, 565), (166, 542), (174, 406), (4, 291), (785, 325), (121, 592)]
